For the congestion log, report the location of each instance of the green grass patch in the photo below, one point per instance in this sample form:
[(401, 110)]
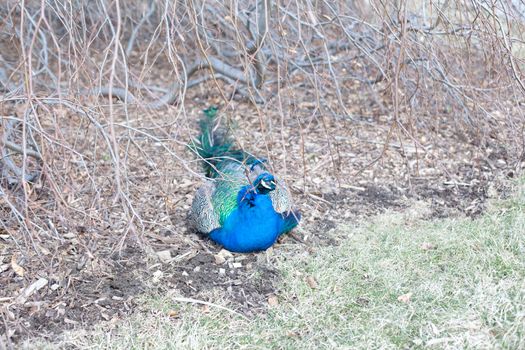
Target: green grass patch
[(395, 282)]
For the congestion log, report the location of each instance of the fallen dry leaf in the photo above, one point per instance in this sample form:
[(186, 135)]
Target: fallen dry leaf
[(292, 334), (428, 246), (205, 309), (173, 313), (405, 298), (312, 282), (19, 270), (273, 301), (44, 250), (225, 254)]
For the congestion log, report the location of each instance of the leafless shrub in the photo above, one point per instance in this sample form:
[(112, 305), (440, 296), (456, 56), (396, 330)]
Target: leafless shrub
[(75, 77)]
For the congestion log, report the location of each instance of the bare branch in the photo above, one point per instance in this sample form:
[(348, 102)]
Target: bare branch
[(6, 157), (18, 149), (212, 63)]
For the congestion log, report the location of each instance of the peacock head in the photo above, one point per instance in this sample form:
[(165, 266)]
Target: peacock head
[(264, 183)]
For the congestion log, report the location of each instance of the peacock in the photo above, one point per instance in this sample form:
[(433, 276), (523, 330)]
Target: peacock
[(242, 206)]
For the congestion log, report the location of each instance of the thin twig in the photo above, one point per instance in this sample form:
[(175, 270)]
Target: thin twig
[(202, 302)]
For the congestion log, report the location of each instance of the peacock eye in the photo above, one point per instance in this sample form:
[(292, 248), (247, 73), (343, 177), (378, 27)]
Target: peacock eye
[(265, 184)]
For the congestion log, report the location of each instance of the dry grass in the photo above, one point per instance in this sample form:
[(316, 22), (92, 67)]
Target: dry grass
[(395, 282)]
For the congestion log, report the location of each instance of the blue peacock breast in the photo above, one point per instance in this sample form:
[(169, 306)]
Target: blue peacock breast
[(253, 226)]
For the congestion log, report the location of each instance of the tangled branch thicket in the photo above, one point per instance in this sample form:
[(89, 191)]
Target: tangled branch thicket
[(83, 82)]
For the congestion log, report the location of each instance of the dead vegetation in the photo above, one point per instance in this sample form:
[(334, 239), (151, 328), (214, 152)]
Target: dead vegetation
[(360, 106)]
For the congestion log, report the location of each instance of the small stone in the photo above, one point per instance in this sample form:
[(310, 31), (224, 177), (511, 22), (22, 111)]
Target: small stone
[(164, 256), (273, 301), (184, 273), (69, 235), (219, 259), (237, 265), (225, 254), (157, 275), (222, 271)]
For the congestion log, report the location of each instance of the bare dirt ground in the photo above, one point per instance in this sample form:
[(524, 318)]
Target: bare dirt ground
[(339, 170)]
